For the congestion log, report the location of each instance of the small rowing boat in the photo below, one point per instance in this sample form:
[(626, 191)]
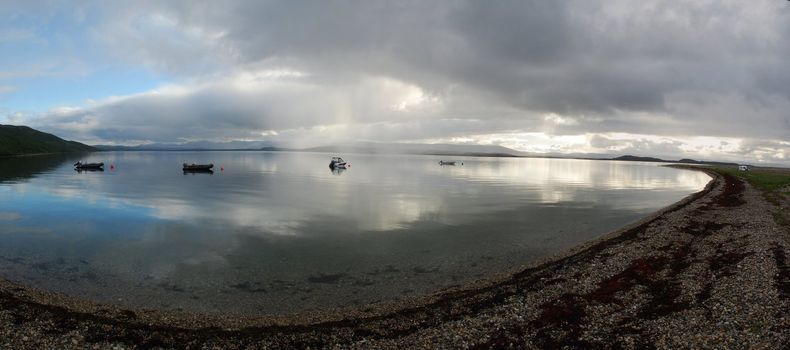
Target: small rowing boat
[(197, 167), (87, 166)]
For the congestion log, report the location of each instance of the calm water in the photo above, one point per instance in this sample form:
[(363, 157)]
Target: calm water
[(280, 232)]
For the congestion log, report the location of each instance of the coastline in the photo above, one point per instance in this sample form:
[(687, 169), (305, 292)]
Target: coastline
[(25, 155), (557, 301)]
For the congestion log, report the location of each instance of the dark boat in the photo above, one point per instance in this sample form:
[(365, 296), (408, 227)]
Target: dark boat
[(198, 167), (88, 166)]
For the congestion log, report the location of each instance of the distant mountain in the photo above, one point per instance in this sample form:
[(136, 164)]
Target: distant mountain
[(191, 146), (415, 148), (689, 161), (19, 140), (684, 160), (359, 147), (638, 159), (389, 148)]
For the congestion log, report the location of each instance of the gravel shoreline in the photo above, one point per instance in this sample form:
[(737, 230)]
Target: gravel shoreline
[(710, 271)]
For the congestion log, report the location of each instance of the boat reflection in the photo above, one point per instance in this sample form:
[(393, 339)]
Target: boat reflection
[(337, 171), (88, 170), (198, 171)]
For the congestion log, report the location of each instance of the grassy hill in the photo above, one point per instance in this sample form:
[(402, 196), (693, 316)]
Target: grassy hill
[(17, 140)]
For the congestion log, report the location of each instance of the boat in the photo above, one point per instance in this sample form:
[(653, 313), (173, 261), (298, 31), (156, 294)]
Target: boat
[(446, 162), (197, 167), (88, 166), (338, 163)]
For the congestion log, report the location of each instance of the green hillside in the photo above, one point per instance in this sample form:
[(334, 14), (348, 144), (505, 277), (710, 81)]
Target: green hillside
[(16, 140)]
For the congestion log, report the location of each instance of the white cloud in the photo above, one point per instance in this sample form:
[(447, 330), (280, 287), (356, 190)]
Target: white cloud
[(237, 107), (659, 78)]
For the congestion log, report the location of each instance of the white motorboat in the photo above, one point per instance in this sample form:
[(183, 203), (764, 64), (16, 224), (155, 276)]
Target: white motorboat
[(338, 163)]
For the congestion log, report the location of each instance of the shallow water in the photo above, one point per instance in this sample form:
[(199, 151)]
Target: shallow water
[(277, 232)]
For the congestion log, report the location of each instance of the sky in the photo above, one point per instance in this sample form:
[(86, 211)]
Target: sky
[(693, 79)]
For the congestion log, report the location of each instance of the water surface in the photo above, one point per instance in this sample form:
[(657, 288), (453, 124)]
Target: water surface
[(281, 232)]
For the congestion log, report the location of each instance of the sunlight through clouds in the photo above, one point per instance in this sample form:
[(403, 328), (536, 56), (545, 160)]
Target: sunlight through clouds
[(662, 78)]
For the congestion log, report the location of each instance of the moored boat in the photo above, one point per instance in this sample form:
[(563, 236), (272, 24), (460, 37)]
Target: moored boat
[(197, 167), (87, 166), (338, 163), (445, 162)]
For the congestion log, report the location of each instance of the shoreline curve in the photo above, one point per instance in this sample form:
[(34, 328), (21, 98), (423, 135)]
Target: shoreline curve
[(165, 320)]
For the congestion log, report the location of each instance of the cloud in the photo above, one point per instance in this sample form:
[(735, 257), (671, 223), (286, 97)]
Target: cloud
[(247, 106), (7, 89), (440, 70)]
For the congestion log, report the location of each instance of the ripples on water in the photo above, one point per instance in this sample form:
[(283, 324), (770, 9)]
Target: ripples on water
[(281, 232)]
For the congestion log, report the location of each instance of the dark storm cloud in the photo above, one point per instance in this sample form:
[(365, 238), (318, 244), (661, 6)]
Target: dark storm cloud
[(558, 56), (703, 68)]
